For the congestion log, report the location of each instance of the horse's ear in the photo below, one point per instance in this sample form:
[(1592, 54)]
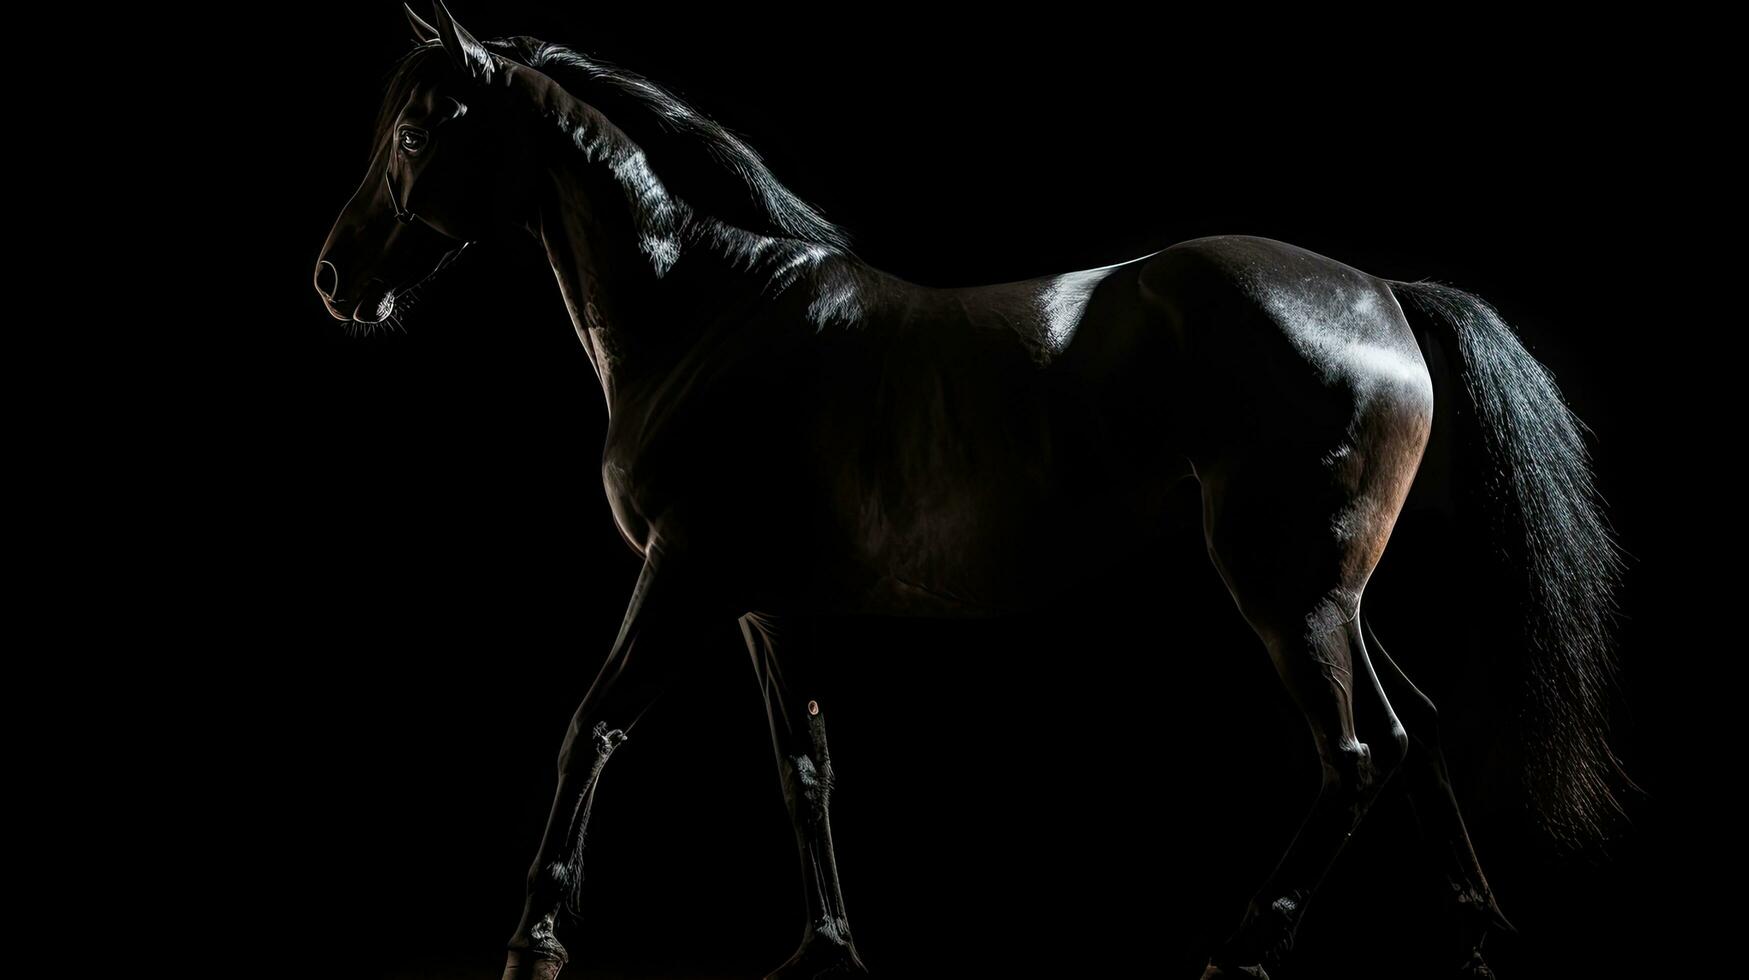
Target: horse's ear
[(422, 32), (466, 53)]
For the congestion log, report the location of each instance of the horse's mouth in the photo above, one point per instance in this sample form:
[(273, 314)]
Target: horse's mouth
[(381, 302)]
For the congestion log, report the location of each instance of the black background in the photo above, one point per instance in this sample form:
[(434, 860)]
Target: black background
[(400, 575)]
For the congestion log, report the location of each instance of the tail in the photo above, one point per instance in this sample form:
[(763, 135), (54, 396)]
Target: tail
[(1546, 523)]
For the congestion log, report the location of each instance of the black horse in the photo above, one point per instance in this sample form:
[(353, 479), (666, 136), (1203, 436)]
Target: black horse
[(793, 432)]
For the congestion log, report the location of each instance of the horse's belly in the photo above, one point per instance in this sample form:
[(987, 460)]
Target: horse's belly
[(999, 549)]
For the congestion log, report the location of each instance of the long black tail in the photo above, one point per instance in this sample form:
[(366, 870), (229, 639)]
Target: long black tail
[(1546, 523)]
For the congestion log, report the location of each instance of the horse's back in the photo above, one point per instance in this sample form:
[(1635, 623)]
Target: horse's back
[(1000, 437)]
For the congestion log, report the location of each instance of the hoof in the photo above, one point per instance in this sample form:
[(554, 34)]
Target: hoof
[(1474, 968), (822, 961), (522, 964), (1215, 971)]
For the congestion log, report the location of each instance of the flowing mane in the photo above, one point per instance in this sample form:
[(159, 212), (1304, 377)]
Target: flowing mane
[(700, 161), (700, 183)]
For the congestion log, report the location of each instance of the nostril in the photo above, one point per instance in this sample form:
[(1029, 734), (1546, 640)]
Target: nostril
[(327, 279)]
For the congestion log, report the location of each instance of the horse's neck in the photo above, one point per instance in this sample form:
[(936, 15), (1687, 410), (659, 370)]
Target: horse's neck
[(584, 272), (639, 309)]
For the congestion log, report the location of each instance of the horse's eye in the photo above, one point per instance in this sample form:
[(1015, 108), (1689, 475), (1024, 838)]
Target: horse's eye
[(412, 140)]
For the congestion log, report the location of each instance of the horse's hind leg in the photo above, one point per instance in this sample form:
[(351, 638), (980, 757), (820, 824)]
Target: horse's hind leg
[(795, 707), (1324, 669), (1296, 540), (1442, 825)]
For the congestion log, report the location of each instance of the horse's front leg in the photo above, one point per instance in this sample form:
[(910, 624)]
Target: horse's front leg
[(659, 637), (793, 702)]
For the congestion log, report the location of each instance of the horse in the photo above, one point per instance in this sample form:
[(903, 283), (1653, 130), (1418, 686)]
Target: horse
[(956, 452)]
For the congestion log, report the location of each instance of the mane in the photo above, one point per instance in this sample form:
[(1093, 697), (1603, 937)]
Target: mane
[(687, 179), (698, 160)]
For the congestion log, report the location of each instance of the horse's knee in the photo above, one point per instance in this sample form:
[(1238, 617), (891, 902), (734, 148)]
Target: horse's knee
[(1357, 770), (584, 755), (1397, 748)]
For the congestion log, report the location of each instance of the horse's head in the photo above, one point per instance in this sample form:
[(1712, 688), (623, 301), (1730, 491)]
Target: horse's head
[(445, 170)]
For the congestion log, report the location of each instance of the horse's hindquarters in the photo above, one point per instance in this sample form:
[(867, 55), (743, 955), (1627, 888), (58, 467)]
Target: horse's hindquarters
[(1316, 407), (1286, 352)]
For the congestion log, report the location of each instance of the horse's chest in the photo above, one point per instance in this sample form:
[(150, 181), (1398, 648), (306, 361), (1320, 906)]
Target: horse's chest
[(665, 483), (644, 472), (623, 499)]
